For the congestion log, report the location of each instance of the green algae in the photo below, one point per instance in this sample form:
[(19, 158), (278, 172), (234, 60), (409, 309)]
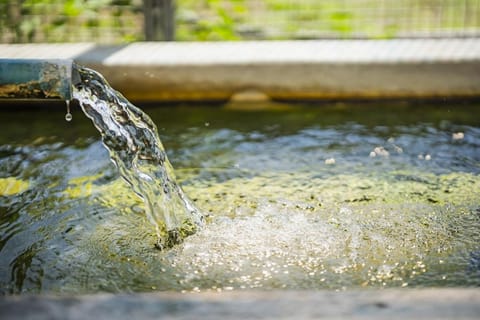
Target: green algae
[(314, 193), (298, 231), (11, 186)]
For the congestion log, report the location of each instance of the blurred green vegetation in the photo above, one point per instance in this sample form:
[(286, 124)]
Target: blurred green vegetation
[(114, 21), (312, 19), (70, 20)]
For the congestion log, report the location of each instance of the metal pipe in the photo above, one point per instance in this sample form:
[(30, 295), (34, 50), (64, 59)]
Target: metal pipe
[(36, 79)]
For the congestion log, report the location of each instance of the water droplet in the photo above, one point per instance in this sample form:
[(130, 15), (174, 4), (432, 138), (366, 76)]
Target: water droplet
[(68, 116)]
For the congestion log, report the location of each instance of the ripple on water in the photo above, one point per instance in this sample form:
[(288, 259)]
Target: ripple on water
[(280, 216)]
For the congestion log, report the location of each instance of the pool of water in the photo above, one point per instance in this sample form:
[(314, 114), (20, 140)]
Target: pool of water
[(299, 197)]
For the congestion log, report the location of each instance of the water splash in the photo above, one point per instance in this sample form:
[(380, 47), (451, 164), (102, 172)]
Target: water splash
[(135, 148)]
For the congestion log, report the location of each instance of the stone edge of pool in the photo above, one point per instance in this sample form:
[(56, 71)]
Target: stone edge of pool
[(390, 304), (277, 70)]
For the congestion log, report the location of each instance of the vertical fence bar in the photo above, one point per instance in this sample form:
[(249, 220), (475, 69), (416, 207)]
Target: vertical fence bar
[(159, 20)]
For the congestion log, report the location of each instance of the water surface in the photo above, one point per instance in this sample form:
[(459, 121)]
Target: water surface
[(299, 196)]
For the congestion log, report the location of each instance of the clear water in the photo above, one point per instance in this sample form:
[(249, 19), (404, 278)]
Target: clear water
[(295, 196), (136, 150)]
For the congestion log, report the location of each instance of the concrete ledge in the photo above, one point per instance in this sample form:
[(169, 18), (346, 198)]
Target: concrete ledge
[(281, 70), (383, 304)]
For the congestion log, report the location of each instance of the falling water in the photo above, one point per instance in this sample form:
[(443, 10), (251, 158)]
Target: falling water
[(135, 148)]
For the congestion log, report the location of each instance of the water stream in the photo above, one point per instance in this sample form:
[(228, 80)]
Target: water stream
[(135, 148)]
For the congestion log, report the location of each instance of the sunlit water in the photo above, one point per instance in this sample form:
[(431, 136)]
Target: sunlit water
[(299, 197), (136, 150)]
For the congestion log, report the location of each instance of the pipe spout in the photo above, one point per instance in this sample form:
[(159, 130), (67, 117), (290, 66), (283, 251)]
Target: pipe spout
[(36, 79)]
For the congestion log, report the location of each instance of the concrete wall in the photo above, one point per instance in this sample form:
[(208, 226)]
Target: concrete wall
[(280, 70)]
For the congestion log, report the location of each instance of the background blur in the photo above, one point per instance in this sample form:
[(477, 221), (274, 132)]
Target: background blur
[(120, 21)]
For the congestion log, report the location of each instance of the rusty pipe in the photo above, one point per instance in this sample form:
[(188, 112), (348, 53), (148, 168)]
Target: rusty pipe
[(36, 79)]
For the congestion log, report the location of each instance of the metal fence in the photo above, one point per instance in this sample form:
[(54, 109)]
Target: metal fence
[(109, 21)]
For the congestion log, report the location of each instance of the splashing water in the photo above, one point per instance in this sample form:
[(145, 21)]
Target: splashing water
[(135, 148), (281, 218)]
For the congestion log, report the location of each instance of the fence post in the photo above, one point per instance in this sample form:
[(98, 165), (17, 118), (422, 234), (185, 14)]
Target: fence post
[(159, 20)]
